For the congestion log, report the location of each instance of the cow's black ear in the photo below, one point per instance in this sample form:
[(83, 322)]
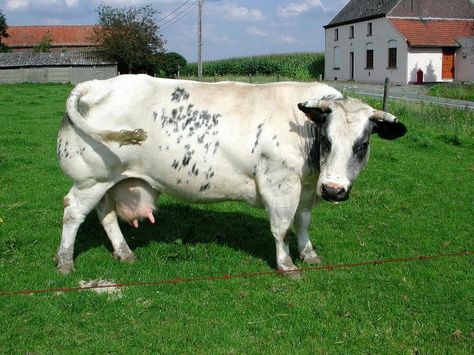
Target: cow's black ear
[(389, 130), (316, 114)]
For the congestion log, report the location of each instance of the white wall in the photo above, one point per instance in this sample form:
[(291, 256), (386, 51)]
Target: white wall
[(464, 64), (430, 60), (382, 32)]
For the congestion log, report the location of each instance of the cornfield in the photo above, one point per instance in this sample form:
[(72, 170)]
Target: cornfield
[(299, 66)]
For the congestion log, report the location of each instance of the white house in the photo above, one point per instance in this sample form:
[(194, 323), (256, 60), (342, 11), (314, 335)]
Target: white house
[(369, 40)]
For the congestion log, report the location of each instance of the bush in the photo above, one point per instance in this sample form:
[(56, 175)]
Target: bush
[(300, 66), (168, 64)]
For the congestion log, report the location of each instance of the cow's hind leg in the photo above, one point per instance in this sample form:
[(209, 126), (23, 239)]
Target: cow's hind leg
[(305, 248), (108, 219), (77, 205)]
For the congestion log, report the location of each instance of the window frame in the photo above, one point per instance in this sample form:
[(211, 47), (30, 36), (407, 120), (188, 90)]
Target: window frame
[(351, 31), (336, 34), (370, 28), (336, 58), (392, 58), (369, 64)]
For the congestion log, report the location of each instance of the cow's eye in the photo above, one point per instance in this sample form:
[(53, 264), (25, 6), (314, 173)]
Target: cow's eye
[(361, 147)]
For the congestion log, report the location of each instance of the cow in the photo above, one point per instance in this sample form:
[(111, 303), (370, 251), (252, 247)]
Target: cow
[(281, 146)]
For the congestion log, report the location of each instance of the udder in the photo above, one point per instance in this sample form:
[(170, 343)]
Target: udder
[(134, 201)]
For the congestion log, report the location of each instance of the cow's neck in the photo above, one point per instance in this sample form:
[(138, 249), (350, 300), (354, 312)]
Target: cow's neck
[(309, 134)]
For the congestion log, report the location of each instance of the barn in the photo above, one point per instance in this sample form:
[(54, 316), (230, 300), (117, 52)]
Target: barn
[(54, 67)]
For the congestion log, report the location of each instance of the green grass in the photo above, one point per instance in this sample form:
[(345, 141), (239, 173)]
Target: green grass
[(415, 198), (453, 91)]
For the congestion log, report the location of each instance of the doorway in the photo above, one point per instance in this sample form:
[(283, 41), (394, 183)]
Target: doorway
[(448, 64)]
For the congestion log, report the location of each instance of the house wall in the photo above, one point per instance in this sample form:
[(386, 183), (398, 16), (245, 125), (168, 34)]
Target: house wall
[(382, 32), (57, 74), (464, 64), (427, 59)]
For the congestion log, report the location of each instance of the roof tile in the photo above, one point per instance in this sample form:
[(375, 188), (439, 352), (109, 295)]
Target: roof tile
[(425, 33), (63, 36)]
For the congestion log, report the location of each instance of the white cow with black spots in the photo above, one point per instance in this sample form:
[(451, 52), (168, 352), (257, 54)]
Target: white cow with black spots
[(280, 146)]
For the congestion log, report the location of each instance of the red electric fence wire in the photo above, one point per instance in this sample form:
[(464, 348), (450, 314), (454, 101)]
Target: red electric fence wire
[(240, 276)]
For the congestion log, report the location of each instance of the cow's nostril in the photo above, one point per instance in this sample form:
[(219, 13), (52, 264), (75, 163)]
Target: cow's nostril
[(332, 192)]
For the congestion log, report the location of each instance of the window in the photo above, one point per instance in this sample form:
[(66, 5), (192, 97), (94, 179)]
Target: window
[(336, 34), (392, 54), (369, 29), (351, 32), (369, 62), (337, 57)]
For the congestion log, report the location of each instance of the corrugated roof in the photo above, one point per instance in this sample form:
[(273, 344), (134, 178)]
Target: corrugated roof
[(433, 33), (358, 10), (62, 36), (26, 59)]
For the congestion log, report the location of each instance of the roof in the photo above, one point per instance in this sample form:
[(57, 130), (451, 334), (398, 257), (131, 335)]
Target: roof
[(433, 33), (62, 36), (357, 10), (363, 10), (27, 59), (457, 9)]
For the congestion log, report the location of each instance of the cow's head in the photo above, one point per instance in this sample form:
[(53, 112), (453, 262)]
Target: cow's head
[(344, 129)]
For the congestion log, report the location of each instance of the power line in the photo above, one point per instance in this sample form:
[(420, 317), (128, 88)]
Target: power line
[(178, 17), (172, 12)]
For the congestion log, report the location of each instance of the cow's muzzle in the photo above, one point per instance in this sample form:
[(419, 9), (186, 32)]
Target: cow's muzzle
[(334, 193)]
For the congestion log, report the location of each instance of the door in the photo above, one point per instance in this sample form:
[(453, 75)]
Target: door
[(351, 64), (448, 64)]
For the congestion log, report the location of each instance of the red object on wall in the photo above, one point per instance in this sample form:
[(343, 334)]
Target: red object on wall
[(419, 77)]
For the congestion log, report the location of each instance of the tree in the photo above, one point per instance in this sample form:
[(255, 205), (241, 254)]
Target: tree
[(169, 64), (45, 44), (128, 35), (3, 32)]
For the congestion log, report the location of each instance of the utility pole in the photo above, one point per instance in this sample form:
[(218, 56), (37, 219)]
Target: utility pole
[(200, 3)]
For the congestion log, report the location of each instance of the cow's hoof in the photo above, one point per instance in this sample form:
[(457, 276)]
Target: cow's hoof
[(129, 259), (292, 274), (312, 259), (65, 268)]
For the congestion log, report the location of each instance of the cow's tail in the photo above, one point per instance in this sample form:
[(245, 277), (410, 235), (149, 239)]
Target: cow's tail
[(75, 108)]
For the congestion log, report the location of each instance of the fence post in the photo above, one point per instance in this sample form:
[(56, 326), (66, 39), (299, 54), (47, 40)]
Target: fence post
[(385, 94), (250, 78)]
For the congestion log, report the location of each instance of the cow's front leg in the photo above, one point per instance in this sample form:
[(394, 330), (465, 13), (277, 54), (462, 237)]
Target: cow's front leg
[(280, 224), (108, 219), (305, 247), (77, 205)]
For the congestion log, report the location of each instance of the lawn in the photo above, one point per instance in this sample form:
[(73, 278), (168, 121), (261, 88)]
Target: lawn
[(453, 91), (415, 198)]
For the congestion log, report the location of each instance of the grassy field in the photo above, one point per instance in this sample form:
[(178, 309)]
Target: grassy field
[(453, 91), (415, 198)]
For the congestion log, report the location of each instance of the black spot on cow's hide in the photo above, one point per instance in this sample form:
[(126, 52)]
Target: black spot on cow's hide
[(179, 94), (204, 187), (257, 138)]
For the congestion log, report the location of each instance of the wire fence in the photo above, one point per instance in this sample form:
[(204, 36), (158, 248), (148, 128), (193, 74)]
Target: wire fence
[(239, 276)]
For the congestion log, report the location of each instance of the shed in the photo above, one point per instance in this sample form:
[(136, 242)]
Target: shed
[(62, 67)]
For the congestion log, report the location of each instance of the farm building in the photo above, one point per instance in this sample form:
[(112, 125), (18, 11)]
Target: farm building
[(59, 67), (70, 38), (404, 40)]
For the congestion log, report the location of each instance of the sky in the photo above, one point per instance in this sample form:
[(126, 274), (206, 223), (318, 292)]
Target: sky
[(231, 28)]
